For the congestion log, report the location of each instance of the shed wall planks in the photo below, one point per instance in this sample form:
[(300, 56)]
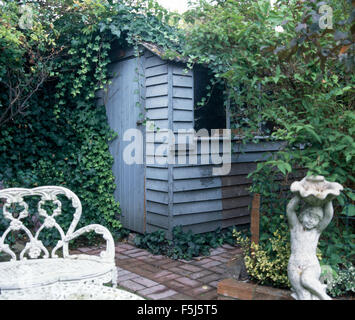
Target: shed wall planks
[(157, 170), (175, 194), (123, 113)]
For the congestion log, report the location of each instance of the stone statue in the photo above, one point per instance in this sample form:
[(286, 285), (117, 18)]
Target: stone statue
[(303, 267)]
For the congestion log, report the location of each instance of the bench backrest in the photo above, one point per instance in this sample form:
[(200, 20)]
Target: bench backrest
[(34, 247)]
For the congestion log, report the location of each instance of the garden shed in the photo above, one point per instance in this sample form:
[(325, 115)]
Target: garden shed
[(160, 196)]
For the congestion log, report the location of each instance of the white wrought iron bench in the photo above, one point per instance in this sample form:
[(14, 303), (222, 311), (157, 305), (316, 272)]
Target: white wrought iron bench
[(36, 272)]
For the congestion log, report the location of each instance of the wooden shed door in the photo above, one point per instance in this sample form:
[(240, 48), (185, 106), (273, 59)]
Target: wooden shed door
[(124, 114)]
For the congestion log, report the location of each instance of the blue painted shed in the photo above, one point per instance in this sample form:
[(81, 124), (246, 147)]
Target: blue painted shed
[(160, 196)]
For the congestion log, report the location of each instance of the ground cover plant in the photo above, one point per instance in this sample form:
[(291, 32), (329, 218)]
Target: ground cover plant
[(184, 244)]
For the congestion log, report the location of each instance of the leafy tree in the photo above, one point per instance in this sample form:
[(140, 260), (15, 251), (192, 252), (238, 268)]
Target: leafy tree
[(296, 85), (291, 80)]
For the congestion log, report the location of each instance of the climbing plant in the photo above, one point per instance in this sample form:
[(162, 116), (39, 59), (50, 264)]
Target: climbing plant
[(54, 58)]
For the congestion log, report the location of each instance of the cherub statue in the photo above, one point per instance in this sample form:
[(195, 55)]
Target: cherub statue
[(303, 267)]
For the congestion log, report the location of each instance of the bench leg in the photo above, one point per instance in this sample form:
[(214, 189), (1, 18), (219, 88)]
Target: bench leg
[(114, 277)]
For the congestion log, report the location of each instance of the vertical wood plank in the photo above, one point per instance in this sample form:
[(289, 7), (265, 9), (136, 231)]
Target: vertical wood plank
[(255, 219), (170, 167)]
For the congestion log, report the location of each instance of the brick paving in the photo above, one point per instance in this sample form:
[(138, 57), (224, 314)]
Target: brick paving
[(158, 277)]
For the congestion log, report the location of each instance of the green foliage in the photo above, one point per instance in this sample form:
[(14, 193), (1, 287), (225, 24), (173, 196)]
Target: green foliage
[(58, 135), (294, 86), (342, 282), (267, 265), (184, 245)]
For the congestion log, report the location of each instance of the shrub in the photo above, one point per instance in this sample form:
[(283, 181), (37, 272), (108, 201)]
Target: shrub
[(265, 266), (342, 282), (184, 245)]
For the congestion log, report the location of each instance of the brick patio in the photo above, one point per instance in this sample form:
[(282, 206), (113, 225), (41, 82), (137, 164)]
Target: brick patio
[(160, 278)]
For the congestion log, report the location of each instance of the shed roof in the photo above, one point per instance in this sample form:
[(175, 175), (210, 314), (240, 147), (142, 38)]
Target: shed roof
[(160, 52)]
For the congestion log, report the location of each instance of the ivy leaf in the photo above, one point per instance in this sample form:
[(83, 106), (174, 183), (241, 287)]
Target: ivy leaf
[(115, 31)]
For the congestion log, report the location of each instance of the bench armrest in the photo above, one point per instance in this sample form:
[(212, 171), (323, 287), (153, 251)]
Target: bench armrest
[(109, 254)]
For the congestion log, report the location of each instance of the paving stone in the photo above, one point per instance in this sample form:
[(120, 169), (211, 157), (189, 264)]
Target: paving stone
[(210, 278), (189, 282), (131, 285), (169, 277), (157, 257), (85, 249), (203, 261), (129, 252), (126, 246), (197, 275), (122, 257), (143, 258), (122, 272), (220, 258), (146, 282), (217, 251), (219, 269), (227, 255), (160, 262), (161, 274), (180, 271), (170, 265), (200, 290), (180, 296), (191, 268), (132, 268), (173, 284), (161, 278), (156, 289), (139, 254), (162, 295), (236, 251), (143, 272), (211, 264), (94, 252), (149, 268), (214, 283), (124, 263), (126, 277)]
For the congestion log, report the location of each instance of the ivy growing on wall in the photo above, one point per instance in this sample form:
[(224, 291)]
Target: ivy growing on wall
[(54, 64)]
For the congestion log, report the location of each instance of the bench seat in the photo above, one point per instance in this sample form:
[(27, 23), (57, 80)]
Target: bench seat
[(19, 275), (36, 266)]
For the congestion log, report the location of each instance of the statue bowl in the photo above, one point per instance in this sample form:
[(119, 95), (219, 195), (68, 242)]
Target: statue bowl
[(315, 190)]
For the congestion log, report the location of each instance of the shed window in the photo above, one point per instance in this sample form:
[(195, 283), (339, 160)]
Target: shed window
[(209, 108)]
